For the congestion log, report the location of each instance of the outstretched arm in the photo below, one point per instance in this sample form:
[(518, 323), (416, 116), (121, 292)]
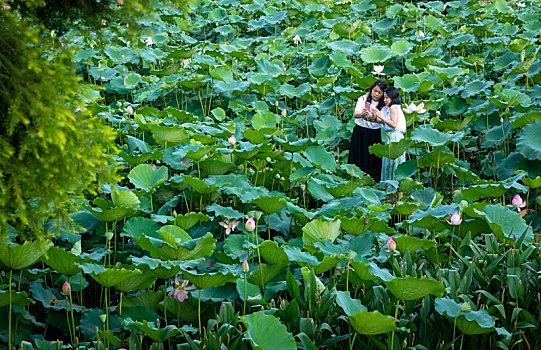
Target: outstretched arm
[(393, 122)]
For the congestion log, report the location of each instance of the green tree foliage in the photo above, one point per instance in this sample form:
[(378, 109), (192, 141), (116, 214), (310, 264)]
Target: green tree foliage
[(51, 148)]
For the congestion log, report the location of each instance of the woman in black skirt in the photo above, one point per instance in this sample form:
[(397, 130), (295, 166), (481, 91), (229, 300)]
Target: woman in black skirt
[(367, 131)]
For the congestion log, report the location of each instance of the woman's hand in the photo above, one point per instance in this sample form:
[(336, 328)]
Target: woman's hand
[(377, 116)]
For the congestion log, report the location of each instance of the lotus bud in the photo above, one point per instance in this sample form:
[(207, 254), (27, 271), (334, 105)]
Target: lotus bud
[(517, 203), (232, 140), (284, 112), (129, 110), (153, 166), (66, 288), (391, 244), (352, 172), (276, 103), (245, 266), (103, 318), (455, 219), (250, 224)]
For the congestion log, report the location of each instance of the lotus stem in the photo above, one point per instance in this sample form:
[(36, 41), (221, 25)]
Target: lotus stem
[(10, 305), (395, 317), (68, 320), (71, 311), (199, 310), (245, 287)]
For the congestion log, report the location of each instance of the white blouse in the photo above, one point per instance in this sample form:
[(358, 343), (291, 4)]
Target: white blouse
[(401, 125), (362, 122)]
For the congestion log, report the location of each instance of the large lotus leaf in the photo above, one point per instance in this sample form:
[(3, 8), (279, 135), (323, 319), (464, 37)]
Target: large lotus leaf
[(520, 120), (246, 150), (532, 183), (265, 273), (349, 30), (446, 73), (407, 208), (145, 177), (213, 166), (109, 277), (316, 231), (188, 220), (63, 261), (152, 331), (272, 253), (162, 269), (454, 124), (207, 280), (189, 250), (455, 106), (125, 204), (469, 322), (172, 135), (19, 299), (236, 246), (408, 82), (319, 66), (291, 91), (134, 227), (413, 288), (266, 332), (18, 256), (411, 243), (372, 323), (431, 217), (264, 120), (374, 54), (506, 222), (137, 281), (320, 157), (270, 69), (292, 146), (250, 290), (226, 212), (476, 192), (270, 204), (326, 264), (200, 186), (476, 87), (348, 304), (391, 150), (401, 47), (529, 142), (434, 137), (345, 46)]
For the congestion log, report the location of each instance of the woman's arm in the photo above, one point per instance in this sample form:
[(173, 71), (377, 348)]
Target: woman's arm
[(359, 107), (393, 122)]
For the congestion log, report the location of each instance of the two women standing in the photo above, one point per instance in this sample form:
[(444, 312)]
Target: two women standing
[(380, 107)]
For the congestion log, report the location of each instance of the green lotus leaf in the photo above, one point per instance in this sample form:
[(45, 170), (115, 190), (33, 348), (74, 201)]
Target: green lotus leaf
[(151, 330), (109, 277), (162, 269), (264, 120), (476, 192), (226, 212), (454, 124), (185, 250), (348, 304), (476, 87), (188, 220), (19, 299), (319, 66), (407, 208), (325, 265), (529, 142), (145, 177), (272, 253), (532, 183), (125, 204), (213, 166), (401, 47), (434, 137), (411, 243), (137, 281), (265, 273), (370, 272), (391, 150), (291, 91), (17, 256), (207, 280), (520, 120), (349, 30), (469, 322), (447, 73), (131, 80), (269, 204), (172, 135), (340, 59), (200, 186), (259, 326), (372, 323), (430, 217), (345, 46), (375, 54), (250, 290), (63, 261), (413, 288), (246, 150), (268, 68), (319, 156), (316, 231), (505, 223), (455, 106), (134, 227), (408, 82)]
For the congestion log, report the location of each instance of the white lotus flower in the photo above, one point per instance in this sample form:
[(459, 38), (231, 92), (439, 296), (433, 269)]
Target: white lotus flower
[(412, 108), (185, 63), (421, 34), (378, 70), (520, 4), (297, 40), (149, 41)]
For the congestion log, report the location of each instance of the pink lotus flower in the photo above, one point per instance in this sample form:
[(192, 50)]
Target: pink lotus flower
[(250, 224), (180, 292), (284, 112), (229, 225), (153, 166), (455, 219), (391, 245), (66, 288), (517, 203), (129, 109), (232, 140), (245, 266)]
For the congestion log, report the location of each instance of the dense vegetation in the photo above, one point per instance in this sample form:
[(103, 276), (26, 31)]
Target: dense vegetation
[(236, 221)]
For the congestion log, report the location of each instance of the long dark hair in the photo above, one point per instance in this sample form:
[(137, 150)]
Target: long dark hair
[(394, 95), (382, 85)]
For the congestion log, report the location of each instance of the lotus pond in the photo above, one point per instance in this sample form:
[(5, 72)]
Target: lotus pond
[(237, 223)]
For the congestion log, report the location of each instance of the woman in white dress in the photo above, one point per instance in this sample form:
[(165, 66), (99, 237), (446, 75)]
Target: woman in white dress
[(394, 123)]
